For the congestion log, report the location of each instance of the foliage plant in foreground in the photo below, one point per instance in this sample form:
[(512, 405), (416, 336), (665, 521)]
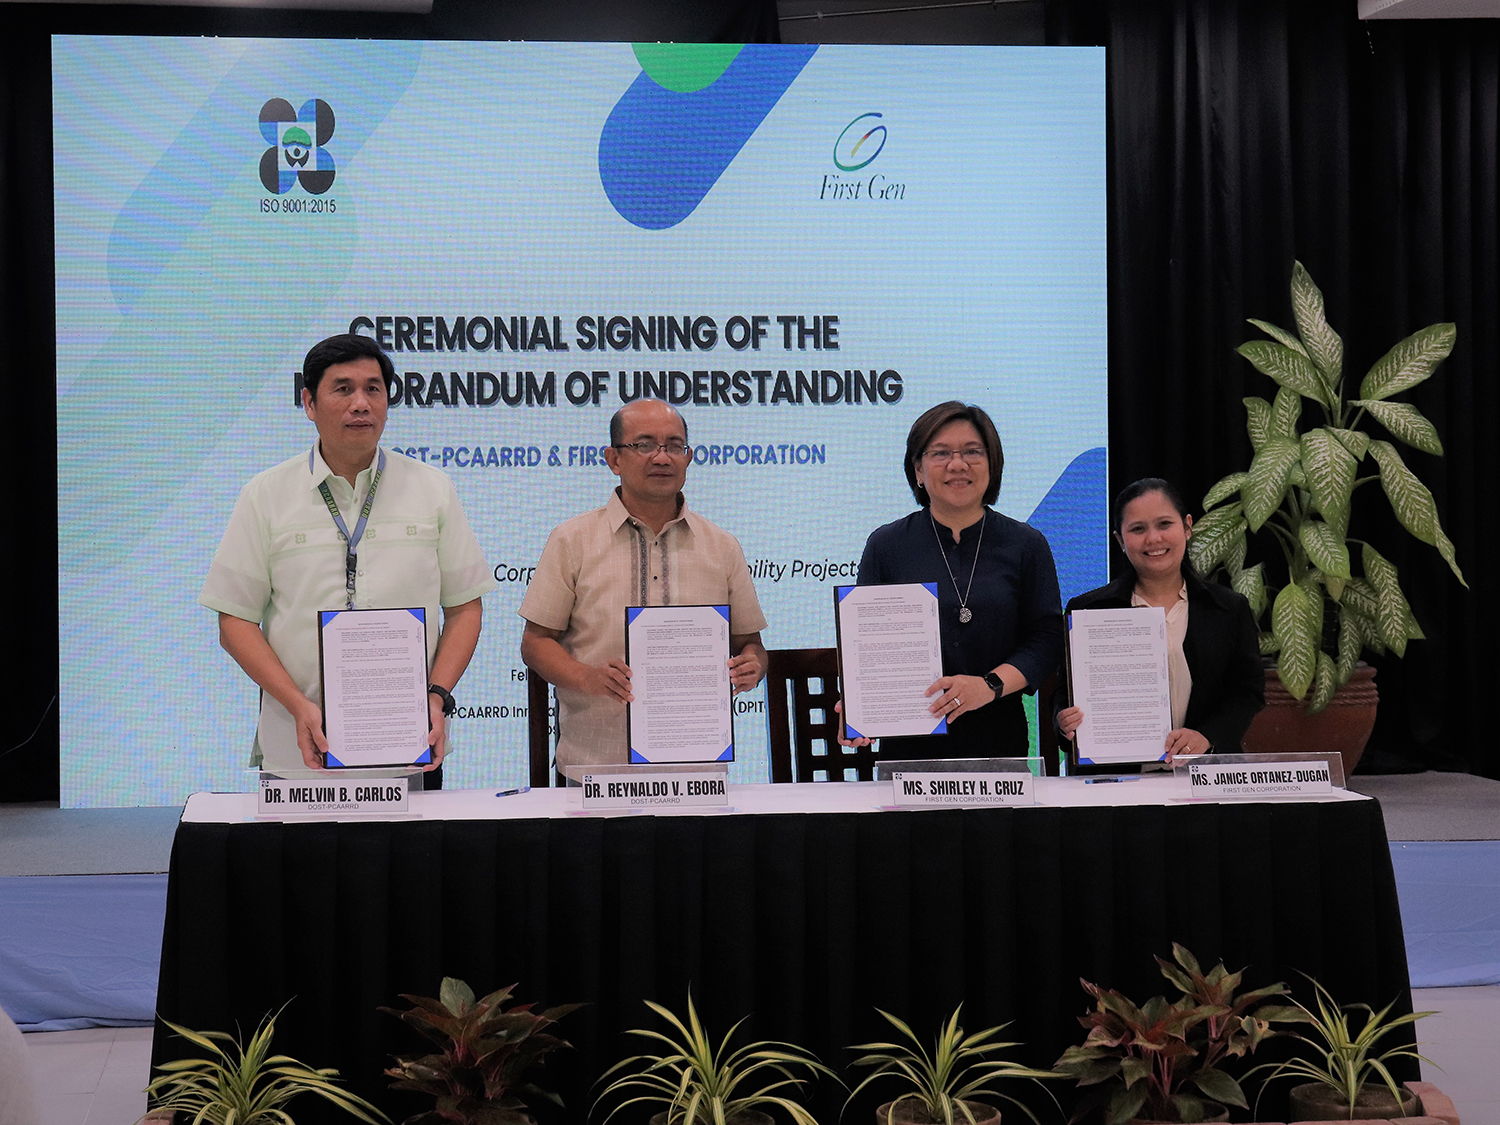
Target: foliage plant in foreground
[(478, 1075), (244, 1084), (1139, 1061), (960, 1069), (1300, 489), (1346, 1059), (696, 1082)]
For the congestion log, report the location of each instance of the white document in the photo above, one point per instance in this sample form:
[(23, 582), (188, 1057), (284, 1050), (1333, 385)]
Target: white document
[(890, 652), (1119, 673), (374, 673), (679, 675)]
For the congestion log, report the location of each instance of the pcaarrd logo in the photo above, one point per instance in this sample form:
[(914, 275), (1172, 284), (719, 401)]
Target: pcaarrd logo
[(855, 149), (297, 137)]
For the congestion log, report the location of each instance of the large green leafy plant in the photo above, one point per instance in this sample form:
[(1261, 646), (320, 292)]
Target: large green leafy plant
[(480, 1073), (1300, 488)]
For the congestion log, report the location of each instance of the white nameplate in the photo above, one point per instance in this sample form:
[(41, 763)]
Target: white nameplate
[(653, 789), (1255, 782), (910, 789), (289, 799)]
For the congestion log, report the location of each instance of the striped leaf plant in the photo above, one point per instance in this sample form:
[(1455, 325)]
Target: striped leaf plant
[(1300, 488)]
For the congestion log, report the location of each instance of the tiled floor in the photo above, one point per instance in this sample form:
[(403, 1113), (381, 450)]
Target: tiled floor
[(92, 1077), (1462, 1039), (95, 1077)]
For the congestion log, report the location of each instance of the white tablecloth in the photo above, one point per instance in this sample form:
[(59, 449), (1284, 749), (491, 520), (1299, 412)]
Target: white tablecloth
[(815, 797)]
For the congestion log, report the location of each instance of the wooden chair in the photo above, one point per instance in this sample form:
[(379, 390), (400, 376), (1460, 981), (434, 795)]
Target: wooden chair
[(804, 734), (539, 704)]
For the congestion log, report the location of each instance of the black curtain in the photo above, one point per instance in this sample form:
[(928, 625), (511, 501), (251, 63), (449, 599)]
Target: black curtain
[(28, 367), (1242, 135)]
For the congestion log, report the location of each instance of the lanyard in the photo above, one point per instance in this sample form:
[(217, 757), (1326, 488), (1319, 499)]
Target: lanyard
[(351, 554)]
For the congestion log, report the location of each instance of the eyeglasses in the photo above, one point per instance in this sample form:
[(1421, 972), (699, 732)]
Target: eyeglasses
[(648, 448), (974, 455)]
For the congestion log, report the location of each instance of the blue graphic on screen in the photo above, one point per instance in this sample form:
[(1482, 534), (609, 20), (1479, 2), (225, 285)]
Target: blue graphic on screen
[(1074, 516), (179, 191), (662, 150)]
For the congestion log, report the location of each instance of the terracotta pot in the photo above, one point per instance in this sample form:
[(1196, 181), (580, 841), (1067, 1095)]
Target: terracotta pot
[(1345, 725), (1314, 1101), (911, 1111), (744, 1117), (1212, 1111)]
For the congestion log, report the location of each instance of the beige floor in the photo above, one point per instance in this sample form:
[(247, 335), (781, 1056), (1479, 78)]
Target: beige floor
[(1464, 1040), (92, 1077), (95, 1077)]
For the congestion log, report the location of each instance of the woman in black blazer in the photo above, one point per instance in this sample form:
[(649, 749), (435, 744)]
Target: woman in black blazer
[(1214, 666)]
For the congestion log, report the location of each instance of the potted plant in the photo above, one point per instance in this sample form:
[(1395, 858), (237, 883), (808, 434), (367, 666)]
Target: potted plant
[(946, 1085), (244, 1084), (698, 1083), (478, 1075), (1143, 1063), (1299, 489), (1339, 1079)]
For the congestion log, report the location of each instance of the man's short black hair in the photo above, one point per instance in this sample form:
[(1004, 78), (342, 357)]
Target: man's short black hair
[(344, 348)]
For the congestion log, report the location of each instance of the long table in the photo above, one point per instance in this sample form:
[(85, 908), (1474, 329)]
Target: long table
[(804, 907)]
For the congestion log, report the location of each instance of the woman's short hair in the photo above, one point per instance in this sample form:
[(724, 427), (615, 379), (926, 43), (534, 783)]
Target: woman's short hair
[(925, 428)]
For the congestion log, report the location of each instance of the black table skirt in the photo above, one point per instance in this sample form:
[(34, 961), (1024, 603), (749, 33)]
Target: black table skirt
[(804, 922)]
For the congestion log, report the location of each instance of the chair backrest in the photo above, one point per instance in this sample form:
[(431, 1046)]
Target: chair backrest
[(1046, 733), (804, 729), (539, 706)]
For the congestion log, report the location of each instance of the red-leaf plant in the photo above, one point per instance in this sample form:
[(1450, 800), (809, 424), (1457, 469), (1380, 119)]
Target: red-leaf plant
[(1139, 1061), (479, 1074)]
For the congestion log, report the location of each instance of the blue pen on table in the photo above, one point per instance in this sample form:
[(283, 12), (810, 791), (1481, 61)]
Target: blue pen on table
[(514, 792), (1102, 780)]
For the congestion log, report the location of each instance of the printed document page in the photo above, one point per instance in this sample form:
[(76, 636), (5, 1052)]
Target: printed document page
[(1119, 672), (679, 675), (890, 652), (374, 671)]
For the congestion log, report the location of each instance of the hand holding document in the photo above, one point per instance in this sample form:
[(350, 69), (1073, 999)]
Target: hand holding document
[(679, 675), (1118, 669), (890, 653), (374, 674)]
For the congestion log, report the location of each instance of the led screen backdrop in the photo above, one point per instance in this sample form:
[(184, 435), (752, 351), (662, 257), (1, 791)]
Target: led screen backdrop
[(805, 247)]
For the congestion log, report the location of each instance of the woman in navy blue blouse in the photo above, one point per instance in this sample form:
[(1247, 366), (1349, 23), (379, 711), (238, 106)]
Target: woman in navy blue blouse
[(1001, 616)]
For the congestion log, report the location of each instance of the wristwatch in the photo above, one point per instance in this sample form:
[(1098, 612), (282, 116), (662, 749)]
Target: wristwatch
[(994, 683), (445, 695)]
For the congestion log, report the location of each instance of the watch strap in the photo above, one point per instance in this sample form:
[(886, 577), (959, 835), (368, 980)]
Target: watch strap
[(445, 695)]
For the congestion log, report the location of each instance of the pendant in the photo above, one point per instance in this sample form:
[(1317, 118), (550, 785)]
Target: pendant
[(965, 615)]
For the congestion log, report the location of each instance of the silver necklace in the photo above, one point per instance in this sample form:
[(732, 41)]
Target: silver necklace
[(965, 614)]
